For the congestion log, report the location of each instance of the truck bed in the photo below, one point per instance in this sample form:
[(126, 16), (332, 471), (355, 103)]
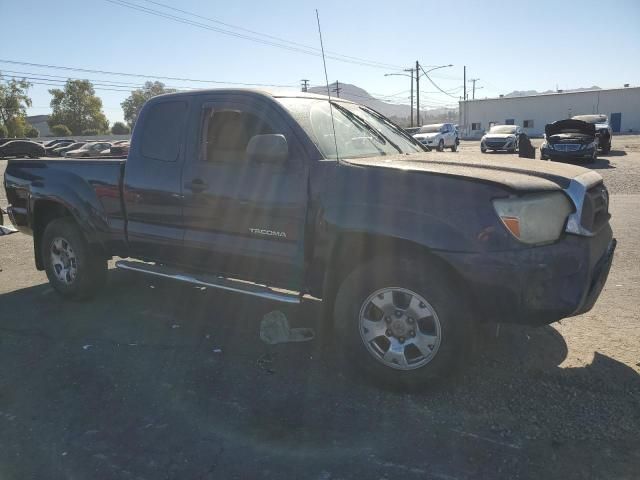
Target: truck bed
[(95, 182)]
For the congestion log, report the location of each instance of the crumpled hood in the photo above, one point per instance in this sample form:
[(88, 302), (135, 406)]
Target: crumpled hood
[(516, 174), (570, 126)]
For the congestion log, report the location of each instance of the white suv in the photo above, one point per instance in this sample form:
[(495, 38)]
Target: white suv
[(438, 136)]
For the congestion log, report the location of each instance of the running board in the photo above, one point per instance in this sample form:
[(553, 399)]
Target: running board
[(212, 281)]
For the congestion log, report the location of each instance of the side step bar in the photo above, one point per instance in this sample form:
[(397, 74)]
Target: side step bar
[(211, 281)]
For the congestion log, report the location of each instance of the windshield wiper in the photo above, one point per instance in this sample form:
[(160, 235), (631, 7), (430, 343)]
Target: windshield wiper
[(352, 116), (393, 126)]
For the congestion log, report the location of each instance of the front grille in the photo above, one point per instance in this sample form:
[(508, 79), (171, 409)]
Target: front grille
[(595, 211), (567, 147), (495, 144)]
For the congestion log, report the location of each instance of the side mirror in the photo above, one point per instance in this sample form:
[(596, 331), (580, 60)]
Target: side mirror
[(272, 148)]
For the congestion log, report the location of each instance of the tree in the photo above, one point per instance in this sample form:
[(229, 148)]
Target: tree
[(134, 102), (3, 131), (119, 128), (77, 107), (60, 131), (13, 105), (31, 132)]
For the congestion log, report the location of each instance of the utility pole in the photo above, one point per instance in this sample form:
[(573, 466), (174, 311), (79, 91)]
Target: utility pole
[(410, 70), (464, 102), (305, 84), (337, 89), (417, 94), (473, 81)]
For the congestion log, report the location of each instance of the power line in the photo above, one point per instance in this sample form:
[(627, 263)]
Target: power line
[(279, 44), (435, 85), (272, 37), (140, 75)]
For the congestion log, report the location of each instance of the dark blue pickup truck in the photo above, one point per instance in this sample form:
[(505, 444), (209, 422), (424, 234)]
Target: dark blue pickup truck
[(282, 196)]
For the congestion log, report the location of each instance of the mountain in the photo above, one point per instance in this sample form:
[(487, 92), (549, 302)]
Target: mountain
[(399, 113), (525, 93)]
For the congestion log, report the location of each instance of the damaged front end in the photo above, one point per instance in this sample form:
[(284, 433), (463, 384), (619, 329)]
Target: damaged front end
[(569, 139)]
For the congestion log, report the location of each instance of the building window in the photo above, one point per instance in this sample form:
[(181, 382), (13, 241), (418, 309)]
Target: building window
[(527, 124), (475, 126), (509, 121)]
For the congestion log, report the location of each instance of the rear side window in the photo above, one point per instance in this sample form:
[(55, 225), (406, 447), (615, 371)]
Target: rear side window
[(226, 134), (163, 128)]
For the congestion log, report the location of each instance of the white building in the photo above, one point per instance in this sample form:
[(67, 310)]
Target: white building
[(533, 112)]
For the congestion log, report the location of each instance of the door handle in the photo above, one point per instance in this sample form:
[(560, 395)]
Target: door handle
[(197, 185)]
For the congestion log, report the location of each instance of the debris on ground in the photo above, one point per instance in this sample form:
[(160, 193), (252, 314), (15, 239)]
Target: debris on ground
[(274, 329), (265, 362)]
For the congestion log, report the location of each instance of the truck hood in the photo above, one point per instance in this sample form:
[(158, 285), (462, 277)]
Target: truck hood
[(516, 174), (570, 126)]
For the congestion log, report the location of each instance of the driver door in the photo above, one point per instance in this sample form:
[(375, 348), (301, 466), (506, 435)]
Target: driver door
[(243, 219)]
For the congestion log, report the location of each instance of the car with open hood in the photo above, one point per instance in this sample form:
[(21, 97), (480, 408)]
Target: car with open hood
[(569, 139), (438, 136), (501, 137), (603, 129)]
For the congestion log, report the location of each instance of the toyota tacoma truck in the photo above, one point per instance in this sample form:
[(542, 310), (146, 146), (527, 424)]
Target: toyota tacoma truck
[(285, 196)]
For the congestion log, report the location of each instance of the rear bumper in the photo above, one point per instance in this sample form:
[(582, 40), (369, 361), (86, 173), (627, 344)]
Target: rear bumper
[(539, 285)]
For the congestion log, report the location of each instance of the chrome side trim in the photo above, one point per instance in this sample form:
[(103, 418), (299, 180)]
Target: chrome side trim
[(577, 191), (220, 283)]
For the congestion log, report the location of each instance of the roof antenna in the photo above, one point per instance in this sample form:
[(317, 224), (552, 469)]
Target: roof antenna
[(326, 78)]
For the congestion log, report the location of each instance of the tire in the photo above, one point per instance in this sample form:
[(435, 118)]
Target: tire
[(65, 247), (483, 150), (606, 149), (441, 145), (441, 318), (454, 148)]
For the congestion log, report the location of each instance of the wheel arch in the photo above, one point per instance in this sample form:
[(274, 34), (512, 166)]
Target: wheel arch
[(351, 249)]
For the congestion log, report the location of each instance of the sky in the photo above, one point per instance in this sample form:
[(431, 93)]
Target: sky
[(508, 46)]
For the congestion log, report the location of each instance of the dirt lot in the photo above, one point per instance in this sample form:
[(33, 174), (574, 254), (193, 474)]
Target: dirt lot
[(155, 380)]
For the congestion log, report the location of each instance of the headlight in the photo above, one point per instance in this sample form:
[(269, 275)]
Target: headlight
[(547, 145), (535, 218)]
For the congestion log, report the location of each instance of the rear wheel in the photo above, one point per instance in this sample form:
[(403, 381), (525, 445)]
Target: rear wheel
[(73, 268), (454, 147), (400, 325), (606, 149)]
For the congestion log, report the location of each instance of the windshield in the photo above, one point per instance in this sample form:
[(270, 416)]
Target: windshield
[(503, 129), (430, 128), (359, 132)]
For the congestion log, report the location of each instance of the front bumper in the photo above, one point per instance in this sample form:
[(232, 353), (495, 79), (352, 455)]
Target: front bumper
[(549, 153), (538, 285)]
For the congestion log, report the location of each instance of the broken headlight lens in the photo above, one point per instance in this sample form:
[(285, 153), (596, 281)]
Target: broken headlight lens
[(536, 218)]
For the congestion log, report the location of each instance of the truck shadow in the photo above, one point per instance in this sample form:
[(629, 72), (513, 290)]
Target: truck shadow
[(192, 359)]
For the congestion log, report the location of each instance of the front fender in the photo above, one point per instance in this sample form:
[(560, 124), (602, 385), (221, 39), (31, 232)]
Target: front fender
[(419, 227)]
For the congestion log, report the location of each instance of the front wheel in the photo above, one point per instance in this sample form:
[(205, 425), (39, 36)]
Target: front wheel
[(400, 325), (441, 145), (73, 268)]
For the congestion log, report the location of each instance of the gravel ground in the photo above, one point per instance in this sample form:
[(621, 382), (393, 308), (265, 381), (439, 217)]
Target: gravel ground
[(156, 380)]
